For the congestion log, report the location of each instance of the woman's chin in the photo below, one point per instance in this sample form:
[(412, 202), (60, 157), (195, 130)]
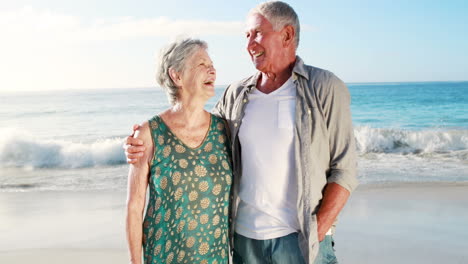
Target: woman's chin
[(210, 91), (206, 96), (210, 95)]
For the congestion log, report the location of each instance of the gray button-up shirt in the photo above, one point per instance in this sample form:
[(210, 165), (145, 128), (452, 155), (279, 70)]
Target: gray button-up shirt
[(325, 150)]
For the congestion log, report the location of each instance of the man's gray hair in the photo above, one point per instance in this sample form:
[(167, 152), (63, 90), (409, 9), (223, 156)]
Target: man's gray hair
[(174, 56), (280, 15)]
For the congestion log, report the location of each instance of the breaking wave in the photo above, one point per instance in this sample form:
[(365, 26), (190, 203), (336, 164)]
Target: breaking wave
[(21, 150), (398, 141)]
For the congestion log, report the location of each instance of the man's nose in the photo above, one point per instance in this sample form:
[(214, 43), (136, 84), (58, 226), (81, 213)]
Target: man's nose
[(250, 42)]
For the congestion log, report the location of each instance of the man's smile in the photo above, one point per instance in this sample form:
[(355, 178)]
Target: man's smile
[(256, 55)]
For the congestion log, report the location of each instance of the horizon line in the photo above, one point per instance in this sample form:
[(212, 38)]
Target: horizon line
[(216, 86)]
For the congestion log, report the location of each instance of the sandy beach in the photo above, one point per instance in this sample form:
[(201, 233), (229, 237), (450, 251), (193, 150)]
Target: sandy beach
[(62, 227), (404, 223)]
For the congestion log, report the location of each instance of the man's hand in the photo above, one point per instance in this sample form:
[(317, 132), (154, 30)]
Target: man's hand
[(334, 199), (134, 148)]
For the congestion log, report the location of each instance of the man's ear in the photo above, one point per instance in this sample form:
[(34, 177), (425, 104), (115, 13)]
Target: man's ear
[(289, 35), (175, 76)]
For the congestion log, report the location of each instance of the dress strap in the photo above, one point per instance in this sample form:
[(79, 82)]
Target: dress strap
[(154, 125)]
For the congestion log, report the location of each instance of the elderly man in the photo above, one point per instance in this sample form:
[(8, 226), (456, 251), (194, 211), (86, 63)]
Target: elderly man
[(293, 147)]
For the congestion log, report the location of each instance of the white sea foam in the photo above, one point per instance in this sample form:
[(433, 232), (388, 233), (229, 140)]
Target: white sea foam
[(424, 142), (20, 149), (396, 155)]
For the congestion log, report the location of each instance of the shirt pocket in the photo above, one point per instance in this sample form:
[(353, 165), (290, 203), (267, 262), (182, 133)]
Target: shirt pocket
[(286, 112)]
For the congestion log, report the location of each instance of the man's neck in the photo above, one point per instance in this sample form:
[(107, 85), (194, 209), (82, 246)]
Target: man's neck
[(270, 81)]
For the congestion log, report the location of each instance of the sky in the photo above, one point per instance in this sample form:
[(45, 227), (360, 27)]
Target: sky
[(89, 44)]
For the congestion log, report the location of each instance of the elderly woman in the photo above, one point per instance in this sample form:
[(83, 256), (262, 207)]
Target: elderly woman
[(186, 165)]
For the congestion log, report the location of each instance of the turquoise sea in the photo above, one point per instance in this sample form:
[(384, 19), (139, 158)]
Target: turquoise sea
[(71, 140)]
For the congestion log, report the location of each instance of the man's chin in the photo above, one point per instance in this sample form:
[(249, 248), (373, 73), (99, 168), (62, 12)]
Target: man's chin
[(258, 64), (260, 68), (262, 59)]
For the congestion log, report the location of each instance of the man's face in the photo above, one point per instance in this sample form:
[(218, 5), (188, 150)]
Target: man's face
[(264, 45)]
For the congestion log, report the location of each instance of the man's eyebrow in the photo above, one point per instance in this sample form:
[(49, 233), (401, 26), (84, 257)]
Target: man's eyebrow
[(251, 29)]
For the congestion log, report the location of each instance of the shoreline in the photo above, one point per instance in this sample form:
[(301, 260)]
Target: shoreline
[(381, 223)]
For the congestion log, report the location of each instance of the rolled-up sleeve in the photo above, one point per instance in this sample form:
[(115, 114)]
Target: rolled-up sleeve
[(343, 161)]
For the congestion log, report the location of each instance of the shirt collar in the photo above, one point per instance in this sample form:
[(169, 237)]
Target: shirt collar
[(299, 69), (253, 81)]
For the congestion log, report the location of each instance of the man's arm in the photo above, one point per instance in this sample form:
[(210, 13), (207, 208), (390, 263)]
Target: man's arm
[(337, 109), (341, 177), (334, 199)]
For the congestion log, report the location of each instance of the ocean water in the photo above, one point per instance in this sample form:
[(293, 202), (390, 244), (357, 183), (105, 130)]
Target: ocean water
[(72, 140)]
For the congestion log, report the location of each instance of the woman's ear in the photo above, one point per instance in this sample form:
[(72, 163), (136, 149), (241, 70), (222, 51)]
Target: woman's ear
[(175, 76)]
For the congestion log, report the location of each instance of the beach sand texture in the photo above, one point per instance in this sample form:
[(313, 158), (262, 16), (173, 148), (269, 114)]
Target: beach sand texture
[(401, 223)]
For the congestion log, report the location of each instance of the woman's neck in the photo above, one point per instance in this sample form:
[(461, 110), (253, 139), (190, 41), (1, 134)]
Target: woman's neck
[(191, 114)]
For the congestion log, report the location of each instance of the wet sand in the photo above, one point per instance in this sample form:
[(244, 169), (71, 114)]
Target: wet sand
[(403, 223)]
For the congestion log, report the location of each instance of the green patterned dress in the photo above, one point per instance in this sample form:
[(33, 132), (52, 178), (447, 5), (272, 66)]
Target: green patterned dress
[(187, 215)]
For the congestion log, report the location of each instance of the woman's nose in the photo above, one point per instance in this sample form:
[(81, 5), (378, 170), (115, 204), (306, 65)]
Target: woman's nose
[(212, 69)]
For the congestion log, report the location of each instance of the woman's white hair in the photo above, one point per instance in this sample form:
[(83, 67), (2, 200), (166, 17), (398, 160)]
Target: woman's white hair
[(174, 56), (280, 15)]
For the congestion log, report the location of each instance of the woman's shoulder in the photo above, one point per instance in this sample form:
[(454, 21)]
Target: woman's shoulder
[(156, 117), (220, 124), (156, 121), (143, 133), (153, 122), (217, 119), (143, 129)]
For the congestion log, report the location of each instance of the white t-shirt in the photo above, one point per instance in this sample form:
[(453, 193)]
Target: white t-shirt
[(268, 187)]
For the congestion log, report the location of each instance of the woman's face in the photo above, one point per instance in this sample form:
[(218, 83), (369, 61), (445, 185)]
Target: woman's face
[(198, 78)]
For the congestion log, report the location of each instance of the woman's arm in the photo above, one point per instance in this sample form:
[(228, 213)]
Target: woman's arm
[(136, 195)]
